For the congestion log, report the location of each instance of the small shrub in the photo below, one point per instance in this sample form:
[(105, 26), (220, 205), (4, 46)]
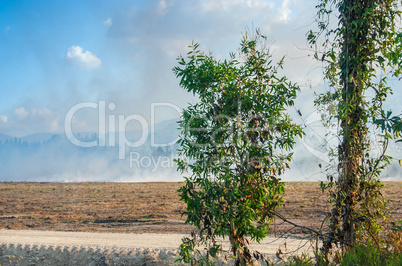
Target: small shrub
[(301, 260), (370, 255)]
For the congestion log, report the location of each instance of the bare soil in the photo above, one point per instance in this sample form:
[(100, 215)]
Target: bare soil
[(144, 207)]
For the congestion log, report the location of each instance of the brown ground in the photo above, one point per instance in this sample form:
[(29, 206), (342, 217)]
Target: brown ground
[(141, 207)]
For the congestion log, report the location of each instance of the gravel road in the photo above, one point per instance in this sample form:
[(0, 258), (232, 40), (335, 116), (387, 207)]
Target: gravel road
[(29, 247)]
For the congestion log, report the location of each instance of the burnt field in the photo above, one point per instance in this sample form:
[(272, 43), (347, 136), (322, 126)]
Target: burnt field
[(144, 207)]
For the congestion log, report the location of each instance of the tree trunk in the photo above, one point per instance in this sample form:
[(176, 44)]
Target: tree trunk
[(351, 112), (239, 249)]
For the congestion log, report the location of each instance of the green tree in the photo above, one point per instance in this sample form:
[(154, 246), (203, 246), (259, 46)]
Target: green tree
[(393, 125), (359, 51), (235, 142)]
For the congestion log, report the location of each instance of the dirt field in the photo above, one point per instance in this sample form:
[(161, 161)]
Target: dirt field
[(141, 207)]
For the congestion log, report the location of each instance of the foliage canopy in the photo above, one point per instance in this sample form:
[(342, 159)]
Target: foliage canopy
[(235, 142)]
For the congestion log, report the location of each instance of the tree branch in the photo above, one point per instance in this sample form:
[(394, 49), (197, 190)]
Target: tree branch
[(310, 229)]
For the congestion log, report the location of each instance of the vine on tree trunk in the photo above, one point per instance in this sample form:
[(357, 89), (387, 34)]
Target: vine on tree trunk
[(364, 44)]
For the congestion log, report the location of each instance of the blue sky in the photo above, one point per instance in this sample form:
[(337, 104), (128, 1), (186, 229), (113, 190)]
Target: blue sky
[(56, 54)]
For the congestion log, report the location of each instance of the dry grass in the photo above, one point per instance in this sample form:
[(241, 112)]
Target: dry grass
[(141, 207)]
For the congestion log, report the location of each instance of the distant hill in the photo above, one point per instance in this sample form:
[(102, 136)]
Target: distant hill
[(166, 132), (52, 157), (38, 137), (3, 137)]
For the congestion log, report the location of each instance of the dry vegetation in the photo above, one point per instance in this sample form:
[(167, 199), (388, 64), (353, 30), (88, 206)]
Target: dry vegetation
[(141, 207)]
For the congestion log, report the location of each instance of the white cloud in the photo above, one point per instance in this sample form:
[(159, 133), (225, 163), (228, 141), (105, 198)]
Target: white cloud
[(108, 22), (162, 6), (87, 60), (21, 113), (284, 12), (22, 121), (3, 118)]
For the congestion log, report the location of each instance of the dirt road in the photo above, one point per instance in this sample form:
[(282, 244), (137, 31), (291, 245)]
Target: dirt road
[(83, 248)]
